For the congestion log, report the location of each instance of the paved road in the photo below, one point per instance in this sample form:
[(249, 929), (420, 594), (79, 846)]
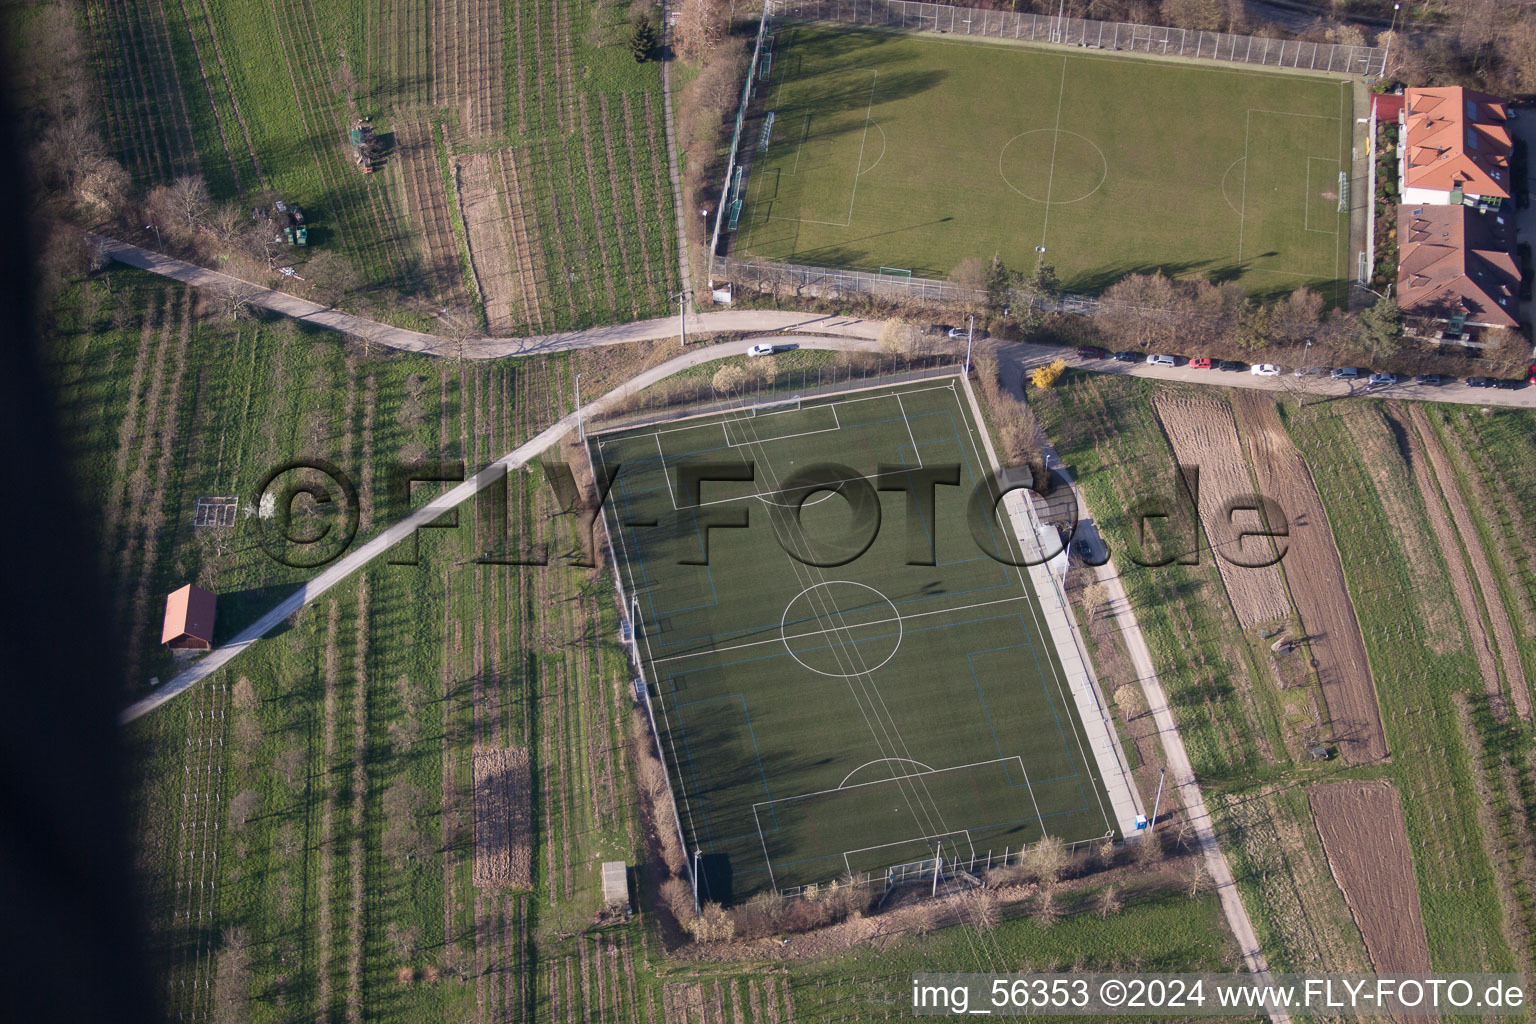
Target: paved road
[(1025, 356), (1181, 773), (740, 321), (729, 321), (339, 570)]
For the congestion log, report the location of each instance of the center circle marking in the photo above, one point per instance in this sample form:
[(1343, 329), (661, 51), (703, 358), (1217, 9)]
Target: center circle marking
[(1045, 146), (860, 620)]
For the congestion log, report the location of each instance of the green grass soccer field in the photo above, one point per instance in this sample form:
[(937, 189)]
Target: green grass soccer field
[(820, 720), (916, 153)]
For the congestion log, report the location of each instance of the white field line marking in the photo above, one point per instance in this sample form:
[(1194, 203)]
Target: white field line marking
[(1050, 181), (813, 404), (1290, 113), (643, 636), (868, 112), (811, 634), (881, 760), (836, 426), (805, 133), (1036, 607), (1370, 209), (910, 436), (969, 841), (894, 778), (883, 144), (767, 860), (1242, 213)]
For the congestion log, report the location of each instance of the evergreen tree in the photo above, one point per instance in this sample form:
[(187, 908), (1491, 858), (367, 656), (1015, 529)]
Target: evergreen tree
[(998, 285), (642, 40), (1381, 328)]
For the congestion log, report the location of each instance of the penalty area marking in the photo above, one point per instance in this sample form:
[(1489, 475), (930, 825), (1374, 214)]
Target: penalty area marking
[(882, 760), (883, 142), (1224, 194)]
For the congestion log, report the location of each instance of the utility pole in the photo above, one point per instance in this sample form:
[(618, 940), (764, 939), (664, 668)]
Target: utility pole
[(969, 335), (682, 319), (1162, 773)]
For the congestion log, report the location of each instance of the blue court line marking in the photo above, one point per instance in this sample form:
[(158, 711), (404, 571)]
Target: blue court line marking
[(698, 791), (639, 557), (627, 492), (1026, 589), (996, 741)]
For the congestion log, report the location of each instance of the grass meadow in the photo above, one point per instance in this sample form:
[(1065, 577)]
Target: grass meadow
[(917, 153)]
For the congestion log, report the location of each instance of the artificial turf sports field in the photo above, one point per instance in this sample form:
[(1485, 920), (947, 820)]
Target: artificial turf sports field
[(917, 153), (825, 720)]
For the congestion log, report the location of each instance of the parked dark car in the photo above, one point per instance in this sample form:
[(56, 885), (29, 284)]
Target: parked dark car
[(1127, 357), (1509, 383), (1231, 364), (1431, 380), (1092, 352), (1479, 382)]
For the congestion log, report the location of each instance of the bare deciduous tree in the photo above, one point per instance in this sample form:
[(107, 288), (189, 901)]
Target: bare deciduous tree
[(243, 807), (1109, 902), (1047, 859)]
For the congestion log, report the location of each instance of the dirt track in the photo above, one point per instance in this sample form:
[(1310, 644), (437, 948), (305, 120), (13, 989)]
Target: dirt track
[(489, 247), (1316, 581), (1203, 434), (1503, 640), (1361, 825)]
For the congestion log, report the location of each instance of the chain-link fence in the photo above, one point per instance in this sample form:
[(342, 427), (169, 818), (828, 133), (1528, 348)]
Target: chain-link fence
[(1095, 35), (681, 398), (831, 283), (795, 280)]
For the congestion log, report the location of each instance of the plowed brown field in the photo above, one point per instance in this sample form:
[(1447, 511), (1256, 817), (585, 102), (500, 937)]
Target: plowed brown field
[(489, 245), (1361, 826), (1204, 435), (1316, 580)]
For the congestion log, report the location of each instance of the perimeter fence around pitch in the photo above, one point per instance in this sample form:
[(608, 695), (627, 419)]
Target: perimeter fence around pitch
[(1160, 40), (632, 626), (909, 15), (834, 283), (803, 385)]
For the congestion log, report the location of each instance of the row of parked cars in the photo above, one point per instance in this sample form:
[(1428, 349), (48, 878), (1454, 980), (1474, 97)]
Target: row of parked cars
[(1345, 373)]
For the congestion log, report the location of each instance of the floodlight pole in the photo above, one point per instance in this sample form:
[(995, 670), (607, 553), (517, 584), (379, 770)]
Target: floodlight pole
[(581, 430), (697, 853), (938, 865), (1386, 57), (969, 335), (1162, 773)]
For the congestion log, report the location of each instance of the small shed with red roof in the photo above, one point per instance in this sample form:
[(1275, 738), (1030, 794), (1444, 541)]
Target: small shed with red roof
[(189, 619)]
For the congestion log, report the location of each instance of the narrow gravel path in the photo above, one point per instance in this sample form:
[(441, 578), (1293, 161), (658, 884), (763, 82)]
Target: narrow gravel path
[(360, 556)]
